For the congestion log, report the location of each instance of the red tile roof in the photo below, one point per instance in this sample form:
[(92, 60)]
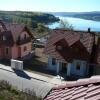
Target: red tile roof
[(71, 37), (12, 31), (97, 57), (82, 89)]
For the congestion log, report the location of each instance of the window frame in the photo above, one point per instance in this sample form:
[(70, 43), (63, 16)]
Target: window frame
[(3, 38), (78, 66), (25, 36), (53, 61), (25, 48), (7, 51)]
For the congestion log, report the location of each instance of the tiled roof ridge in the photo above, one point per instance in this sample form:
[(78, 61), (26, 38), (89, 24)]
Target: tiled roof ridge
[(79, 82)]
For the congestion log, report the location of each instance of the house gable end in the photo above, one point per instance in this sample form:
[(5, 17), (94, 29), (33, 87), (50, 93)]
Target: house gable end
[(80, 51)]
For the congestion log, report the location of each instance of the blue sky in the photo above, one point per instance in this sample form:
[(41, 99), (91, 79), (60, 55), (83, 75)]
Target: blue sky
[(51, 5)]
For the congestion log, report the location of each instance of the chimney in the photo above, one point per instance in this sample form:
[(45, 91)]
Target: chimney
[(89, 30)]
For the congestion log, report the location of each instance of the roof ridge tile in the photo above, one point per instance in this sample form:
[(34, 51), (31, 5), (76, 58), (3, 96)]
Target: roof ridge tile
[(80, 82)]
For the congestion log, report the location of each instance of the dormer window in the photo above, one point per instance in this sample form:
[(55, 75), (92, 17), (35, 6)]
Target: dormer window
[(24, 36), (59, 47)]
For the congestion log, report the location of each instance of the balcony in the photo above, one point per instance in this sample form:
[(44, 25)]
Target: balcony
[(23, 41)]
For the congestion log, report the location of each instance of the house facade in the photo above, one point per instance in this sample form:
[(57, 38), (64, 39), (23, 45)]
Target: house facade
[(73, 52), (15, 41)]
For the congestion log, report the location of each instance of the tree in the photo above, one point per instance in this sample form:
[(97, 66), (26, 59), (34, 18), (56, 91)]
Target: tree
[(64, 24), (41, 27)]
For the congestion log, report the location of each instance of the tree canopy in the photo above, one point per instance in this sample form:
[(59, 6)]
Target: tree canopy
[(64, 24)]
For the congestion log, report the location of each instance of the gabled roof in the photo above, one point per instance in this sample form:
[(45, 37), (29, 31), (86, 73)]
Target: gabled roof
[(9, 39), (71, 37), (82, 89), (12, 31), (16, 29)]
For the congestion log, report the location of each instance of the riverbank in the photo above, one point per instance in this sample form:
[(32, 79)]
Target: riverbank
[(78, 24)]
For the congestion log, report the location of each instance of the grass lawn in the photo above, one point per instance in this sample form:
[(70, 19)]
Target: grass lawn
[(7, 92)]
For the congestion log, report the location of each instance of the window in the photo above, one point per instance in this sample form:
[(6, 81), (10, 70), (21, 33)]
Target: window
[(76, 49), (4, 38), (59, 48), (53, 61), (6, 50), (19, 38), (25, 48), (24, 36), (78, 66)]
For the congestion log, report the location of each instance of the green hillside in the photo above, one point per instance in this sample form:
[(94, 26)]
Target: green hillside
[(36, 21)]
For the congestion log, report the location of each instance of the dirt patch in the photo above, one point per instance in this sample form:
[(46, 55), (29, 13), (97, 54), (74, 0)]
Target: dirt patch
[(40, 55), (38, 64)]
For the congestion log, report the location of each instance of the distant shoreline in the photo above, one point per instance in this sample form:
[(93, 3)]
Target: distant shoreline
[(94, 16), (81, 18)]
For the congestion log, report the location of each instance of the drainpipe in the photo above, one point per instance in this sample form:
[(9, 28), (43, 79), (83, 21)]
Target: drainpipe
[(58, 65), (68, 69)]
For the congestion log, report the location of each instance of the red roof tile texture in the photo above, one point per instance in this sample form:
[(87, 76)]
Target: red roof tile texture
[(82, 89), (79, 39), (97, 58), (12, 31)]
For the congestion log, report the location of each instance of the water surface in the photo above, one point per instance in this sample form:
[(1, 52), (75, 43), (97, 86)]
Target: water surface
[(79, 24)]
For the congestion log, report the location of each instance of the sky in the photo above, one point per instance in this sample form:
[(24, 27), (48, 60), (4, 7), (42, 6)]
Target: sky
[(50, 5)]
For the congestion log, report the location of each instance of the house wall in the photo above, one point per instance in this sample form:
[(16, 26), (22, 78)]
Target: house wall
[(50, 66), (57, 67), (28, 49), (97, 70), (71, 67), (4, 54), (15, 51), (0, 53), (23, 34), (82, 71)]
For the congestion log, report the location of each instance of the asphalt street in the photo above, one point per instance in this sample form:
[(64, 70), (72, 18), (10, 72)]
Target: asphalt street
[(21, 82)]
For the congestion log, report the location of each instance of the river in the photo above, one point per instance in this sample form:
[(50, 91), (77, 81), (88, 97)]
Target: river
[(78, 24)]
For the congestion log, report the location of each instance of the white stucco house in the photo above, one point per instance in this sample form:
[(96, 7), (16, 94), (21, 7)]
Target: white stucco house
[(72, 52)]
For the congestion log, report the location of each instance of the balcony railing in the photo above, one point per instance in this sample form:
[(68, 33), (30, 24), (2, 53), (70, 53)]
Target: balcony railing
[(23, 41)]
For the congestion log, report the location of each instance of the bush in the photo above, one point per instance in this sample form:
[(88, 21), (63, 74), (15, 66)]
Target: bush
[(7, 92)]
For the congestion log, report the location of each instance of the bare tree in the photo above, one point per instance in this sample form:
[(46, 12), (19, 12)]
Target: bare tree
[(64, 24)]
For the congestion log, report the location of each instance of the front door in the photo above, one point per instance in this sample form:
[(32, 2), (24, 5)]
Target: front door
[(91, 70), (64, 68)]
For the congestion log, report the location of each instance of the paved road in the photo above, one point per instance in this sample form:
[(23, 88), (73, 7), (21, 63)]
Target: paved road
[(26, 80), (41, 88)]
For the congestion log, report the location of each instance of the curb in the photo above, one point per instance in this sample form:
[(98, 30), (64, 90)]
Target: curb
[(29, 76)]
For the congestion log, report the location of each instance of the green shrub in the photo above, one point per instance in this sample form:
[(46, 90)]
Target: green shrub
[(8, 92)]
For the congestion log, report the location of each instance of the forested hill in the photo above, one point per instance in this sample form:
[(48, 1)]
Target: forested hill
[(34, 20), (89, 16), (94, 15)]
